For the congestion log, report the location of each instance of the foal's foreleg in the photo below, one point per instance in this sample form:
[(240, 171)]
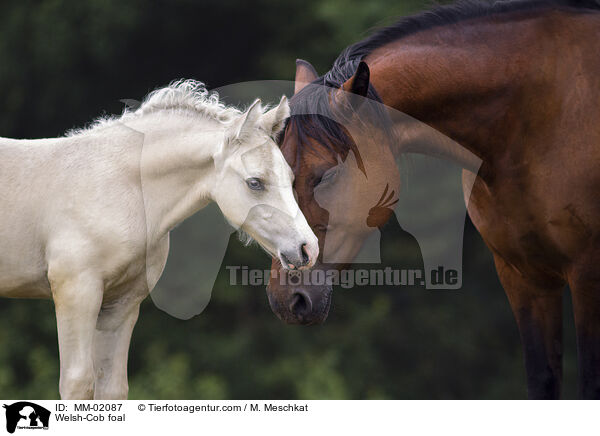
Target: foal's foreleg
[(77, 300), (111, 348), (538, 311)]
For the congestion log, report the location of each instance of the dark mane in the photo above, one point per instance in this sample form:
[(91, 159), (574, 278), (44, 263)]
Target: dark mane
[(346, 63), (313, 99)]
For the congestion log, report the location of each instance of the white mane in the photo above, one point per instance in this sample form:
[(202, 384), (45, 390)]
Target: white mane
[(179, 96)]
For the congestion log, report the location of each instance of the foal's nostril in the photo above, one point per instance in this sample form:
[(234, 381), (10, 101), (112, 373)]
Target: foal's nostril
[(305, 256), (300, 305)]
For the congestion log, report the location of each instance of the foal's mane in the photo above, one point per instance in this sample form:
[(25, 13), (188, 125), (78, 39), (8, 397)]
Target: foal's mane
[(313, 99), (179, 96)]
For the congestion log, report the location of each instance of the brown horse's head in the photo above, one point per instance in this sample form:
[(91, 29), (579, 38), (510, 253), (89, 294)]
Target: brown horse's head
[(345, 181)]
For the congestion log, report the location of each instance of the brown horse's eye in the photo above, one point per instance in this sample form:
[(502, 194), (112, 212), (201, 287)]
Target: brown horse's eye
[(328, 176), (320, 228), (255, 184)]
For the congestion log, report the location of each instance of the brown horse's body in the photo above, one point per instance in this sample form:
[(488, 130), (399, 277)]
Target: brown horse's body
[(520, 90)]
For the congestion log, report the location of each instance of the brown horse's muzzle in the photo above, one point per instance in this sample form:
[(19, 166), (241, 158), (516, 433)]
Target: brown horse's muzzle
[(297, 301)]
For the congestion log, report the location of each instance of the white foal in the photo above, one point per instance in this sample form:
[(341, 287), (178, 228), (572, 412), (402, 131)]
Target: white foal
[(85, 219)]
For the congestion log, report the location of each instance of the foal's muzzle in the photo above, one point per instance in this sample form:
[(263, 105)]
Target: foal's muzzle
[(302, 257)]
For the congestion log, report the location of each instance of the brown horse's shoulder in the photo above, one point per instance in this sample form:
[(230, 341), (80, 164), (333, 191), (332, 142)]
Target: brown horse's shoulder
[(538, 228)]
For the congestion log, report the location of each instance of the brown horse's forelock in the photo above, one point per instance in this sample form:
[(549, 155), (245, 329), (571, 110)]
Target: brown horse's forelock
[(312, 118)]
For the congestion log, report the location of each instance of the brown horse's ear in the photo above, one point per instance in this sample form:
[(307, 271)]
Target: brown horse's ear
[(305, 73), (357, 85)]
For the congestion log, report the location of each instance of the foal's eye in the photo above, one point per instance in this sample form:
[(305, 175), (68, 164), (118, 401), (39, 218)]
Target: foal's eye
[(255, 184)]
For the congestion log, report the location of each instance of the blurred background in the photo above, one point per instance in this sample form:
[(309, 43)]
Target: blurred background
[(63, 63)]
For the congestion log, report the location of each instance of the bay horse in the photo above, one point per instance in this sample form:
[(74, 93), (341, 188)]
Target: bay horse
[(516, 84), (86, 218)]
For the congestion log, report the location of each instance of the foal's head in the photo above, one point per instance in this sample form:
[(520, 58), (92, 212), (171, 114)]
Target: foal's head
[(253, 187), (346, 179)]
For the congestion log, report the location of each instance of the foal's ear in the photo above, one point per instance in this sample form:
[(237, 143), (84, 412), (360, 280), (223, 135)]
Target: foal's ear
[(246, 122), (274, 120), (305, 73)]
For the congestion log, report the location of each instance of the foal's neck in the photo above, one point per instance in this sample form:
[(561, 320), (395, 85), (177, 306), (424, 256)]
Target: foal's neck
[(177, 167), (484, 83)]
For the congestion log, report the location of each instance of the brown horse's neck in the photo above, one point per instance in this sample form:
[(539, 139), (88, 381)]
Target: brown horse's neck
[(485, 83)]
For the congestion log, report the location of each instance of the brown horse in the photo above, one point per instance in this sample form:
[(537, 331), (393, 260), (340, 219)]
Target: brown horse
[(516, 84)]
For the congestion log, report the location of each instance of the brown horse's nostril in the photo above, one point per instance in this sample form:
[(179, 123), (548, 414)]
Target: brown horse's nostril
[(300, 305)]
